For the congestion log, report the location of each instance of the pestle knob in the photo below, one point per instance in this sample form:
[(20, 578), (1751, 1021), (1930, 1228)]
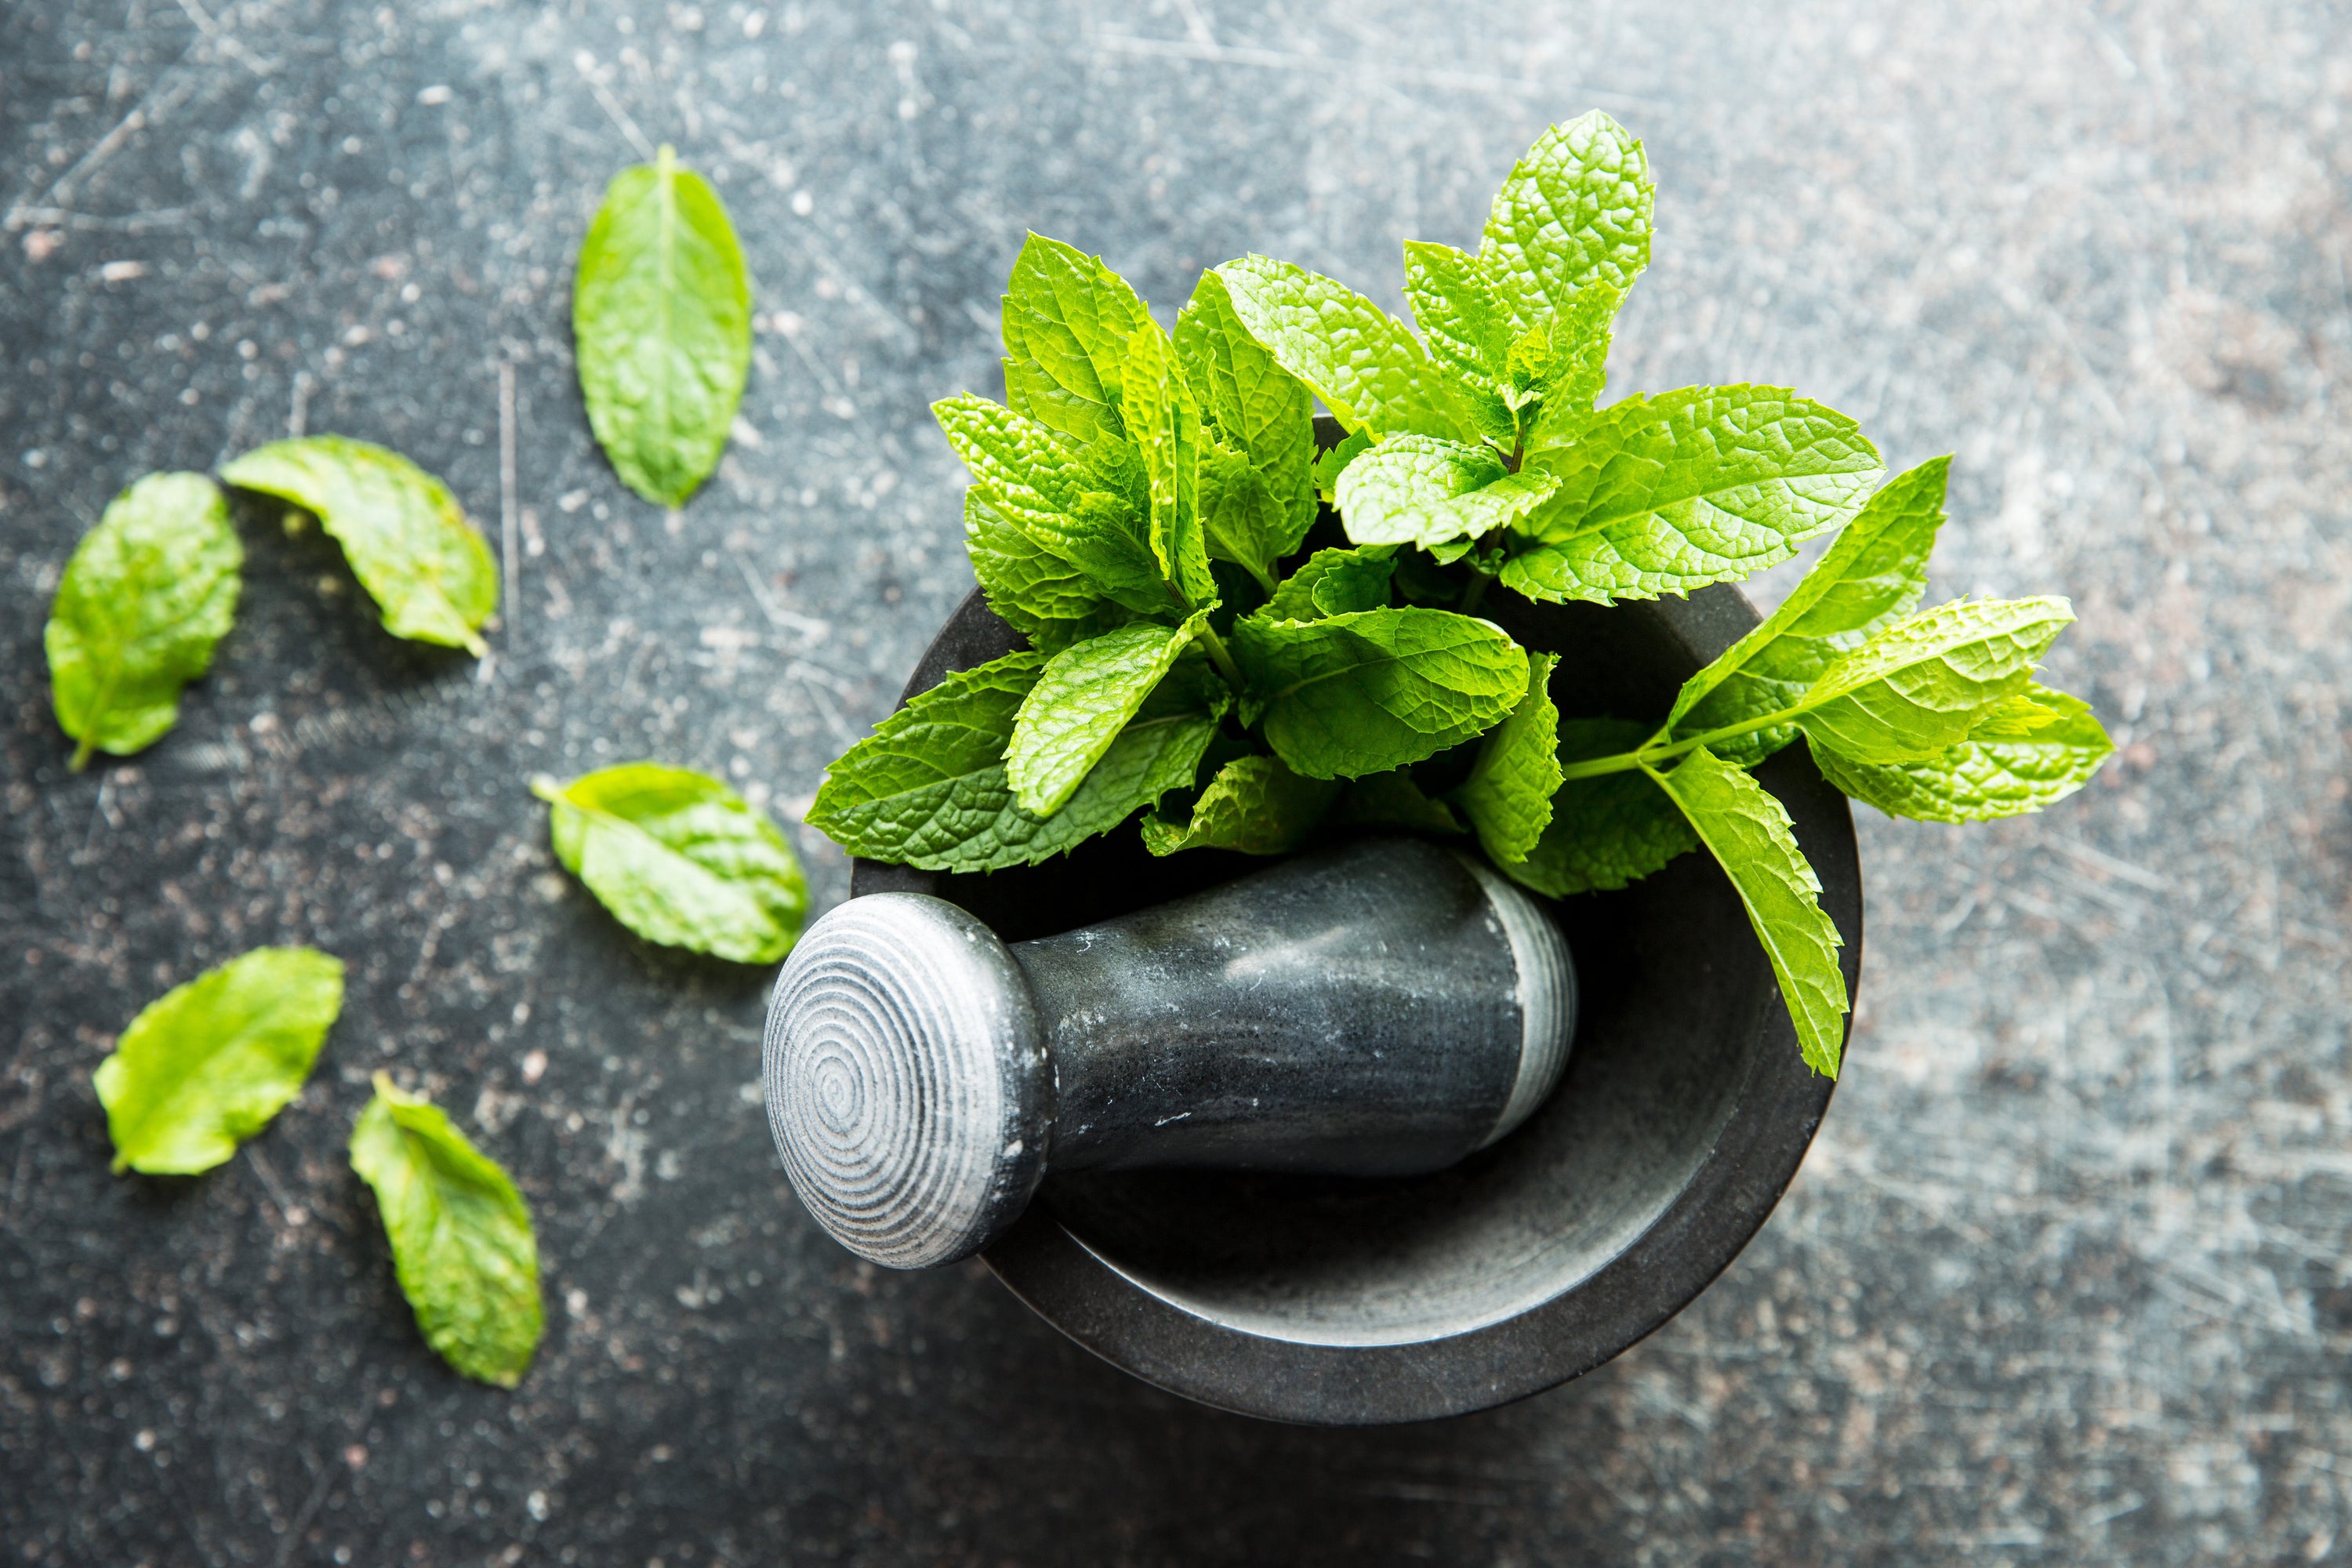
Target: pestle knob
[(1382, 1008)]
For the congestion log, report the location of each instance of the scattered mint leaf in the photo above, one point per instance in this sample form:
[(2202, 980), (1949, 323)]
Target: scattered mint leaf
[(1366, 692), (1751, 837), (1575, 211), (1038, 594), (1607, 831), (1366, 366), (206, 1065), (1254, 804), (661, 316), (680, 859), (2032, 750), (1509, 796), (1082, 700), (1394, 800), (1331, 465), (1067, 320), (1708, 484), (1417, 489), (461, 1238), (1166, 425), (406, 536), (1922, 684), (1258, 410), (148, 595), (1333, 583)]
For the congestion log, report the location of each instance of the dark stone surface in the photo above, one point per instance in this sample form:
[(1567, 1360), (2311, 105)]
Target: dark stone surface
[(2065, 1278)]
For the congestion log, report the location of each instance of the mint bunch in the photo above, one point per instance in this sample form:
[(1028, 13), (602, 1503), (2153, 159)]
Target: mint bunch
[(1140, 509)]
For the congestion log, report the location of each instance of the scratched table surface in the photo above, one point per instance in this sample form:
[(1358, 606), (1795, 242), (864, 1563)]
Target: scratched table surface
[(2067, 1278)]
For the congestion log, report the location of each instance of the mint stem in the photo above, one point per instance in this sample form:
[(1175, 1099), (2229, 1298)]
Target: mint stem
[(1649, 756), (1223, 660)]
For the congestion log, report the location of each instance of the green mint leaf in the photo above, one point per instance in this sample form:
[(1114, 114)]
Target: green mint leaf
[(1258, 410), (1082, 700), (1470, 330), (1751, 837), (1080, 507), (1366, 692), (406, 536), (1605, 831), (661, 316), (1166, 425), (1877, 570), (1255, 805), (1509, 796), (1331, 465), (2013, 764), (1570, 379), (1333, 583), (1366, 366), (680, 859), (1921, 684), (1418, 489), (1575, 211), (1067, 319), (149, 593), (206, 1065), (1034, 591), (1708, 484), (1240, 518), (461, 1240), (1394, 800), (928, 788)]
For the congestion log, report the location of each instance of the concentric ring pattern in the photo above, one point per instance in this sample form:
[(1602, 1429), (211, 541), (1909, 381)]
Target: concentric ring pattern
[(904, 1068)]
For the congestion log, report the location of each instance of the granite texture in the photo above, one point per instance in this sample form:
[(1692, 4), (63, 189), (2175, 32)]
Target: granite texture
[(2068, 1276)]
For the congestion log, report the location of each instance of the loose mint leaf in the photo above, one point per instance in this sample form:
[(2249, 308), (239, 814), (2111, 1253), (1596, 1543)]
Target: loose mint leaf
[(1922, 684), (661, 316), (1708, 484), (1366, 366), (2013, 764), (1417, 489), (1394, 800), (206, 1065), (1333, 583), (1575, 211), (1082, 700), (149, 593), (1257, 409), (1067, 319), (1254, 804), (1605, 831), (1080, 509), (1877, 570), (1366, 692), (680, 859), (1166, 425), (1507, 796), (461, 1238), (1034, 591), (1331, 465), (1750, 835), (928, 788), (405, 534)]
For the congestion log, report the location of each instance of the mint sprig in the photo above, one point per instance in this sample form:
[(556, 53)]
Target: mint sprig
[(1140, 508)]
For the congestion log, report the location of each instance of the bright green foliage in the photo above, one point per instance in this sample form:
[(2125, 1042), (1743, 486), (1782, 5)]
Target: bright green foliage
[(1394, 800), (1576, 211), (2028, 752), (206, 1065), (1038, 594), (1333, 583), (1256, 411), (927, 788), (1362, 693), (680, 859), (1082, 700), (1924, 683), (1331, 465), (405, 534), (1365, 364), (1166, 425), (1876, 571), (461, 1238), (1710, 484), (1608, 831), (1751, 837), (1418, 489), (1254, 804), (1507, 796), (661, 317), (148, 595), (1069, 320)]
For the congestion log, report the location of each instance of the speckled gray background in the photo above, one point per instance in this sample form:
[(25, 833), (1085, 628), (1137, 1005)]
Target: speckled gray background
[(2065, 1280)]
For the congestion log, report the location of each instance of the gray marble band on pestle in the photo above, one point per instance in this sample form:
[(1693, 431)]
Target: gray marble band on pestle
[(1382, 1008)]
